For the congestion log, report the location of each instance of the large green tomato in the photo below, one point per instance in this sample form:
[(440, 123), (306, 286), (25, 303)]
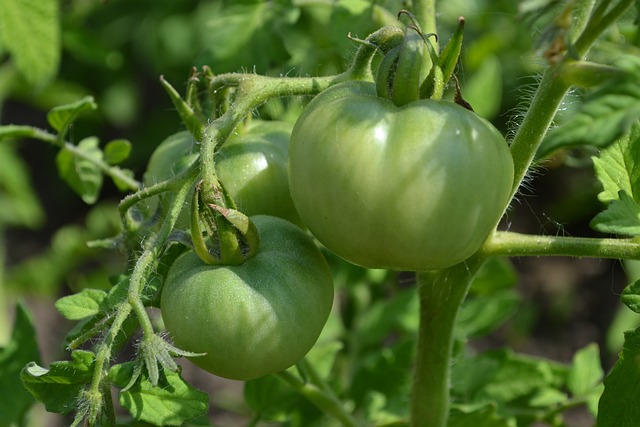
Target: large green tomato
[(418, 187), (256, 318), (251, 165)]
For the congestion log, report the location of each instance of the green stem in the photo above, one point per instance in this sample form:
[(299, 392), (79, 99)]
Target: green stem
[(600, 20), (552, 89), (425, 13), (328, 403), (133, 302), (515, 244), (540, 114), (41, 135), (441, 295)]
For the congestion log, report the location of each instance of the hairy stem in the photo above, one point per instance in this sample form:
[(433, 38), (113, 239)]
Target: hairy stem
[(600, 20), (112, 171), (539, 116), (515, 244), (441, 295), (133, 302)]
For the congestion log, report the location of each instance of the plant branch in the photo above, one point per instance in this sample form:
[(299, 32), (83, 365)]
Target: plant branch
[(515, 244), (600, 20), (441, 295), (34, 133), (539, 117)]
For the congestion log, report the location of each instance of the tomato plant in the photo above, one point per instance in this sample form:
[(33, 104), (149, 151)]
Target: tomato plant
[(437, 173), (252, 166), (417, 187), (250, 320)]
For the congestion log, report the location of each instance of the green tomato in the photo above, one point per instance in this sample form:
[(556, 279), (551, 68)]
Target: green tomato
[(252, 166), (417, 187), (256, 318)]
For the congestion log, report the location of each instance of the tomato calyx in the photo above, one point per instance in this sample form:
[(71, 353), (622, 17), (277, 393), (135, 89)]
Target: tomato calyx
[(413, 69), (229, 236)]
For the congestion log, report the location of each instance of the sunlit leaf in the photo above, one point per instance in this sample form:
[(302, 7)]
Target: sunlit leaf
[(172, 402), (30, 31), (83, 304), (117, 151), (618, 170), (61, 117), (59, 386)]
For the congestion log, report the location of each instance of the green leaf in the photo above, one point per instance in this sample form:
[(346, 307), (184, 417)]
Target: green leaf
[(82, 175), (618, 167), (476, 416), (481, 315), (618, 170), (271, 399), (172, 402), (585, 376), (631, 296), (20, 350), (18, 202), (30, 31), (607, 114), (503, 376), (83, 304), (619, 402), (245, 35), (117, 151), (61, 117), (621, 217), (59, 386), (387, 316), (586, 371)]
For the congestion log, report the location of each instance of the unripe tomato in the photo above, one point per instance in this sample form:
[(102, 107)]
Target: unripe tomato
[(417, 187), (256, 318), (251, 165)]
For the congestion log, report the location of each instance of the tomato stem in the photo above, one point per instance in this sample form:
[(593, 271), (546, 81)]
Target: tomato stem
[(554, 85), (441, 295), (515, 244)]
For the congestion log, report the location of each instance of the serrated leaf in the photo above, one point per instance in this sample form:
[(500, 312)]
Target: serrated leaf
[(608, 113), (631, 296), (117, 151), (619, 402), (20, 350), (172, 402), (621, 217), (83, 304), (30, 31), (82, 175), (59, 386), (61, 117), (618, 167)]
